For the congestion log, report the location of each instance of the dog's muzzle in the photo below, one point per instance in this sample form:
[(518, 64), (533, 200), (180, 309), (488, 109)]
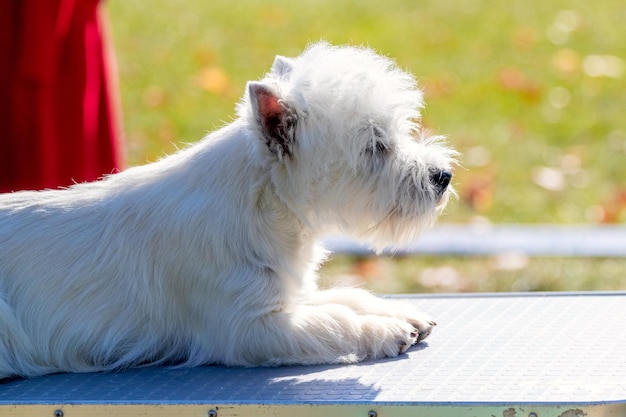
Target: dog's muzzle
[(440, 179)]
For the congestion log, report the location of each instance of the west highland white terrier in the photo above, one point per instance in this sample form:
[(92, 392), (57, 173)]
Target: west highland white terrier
[(209, 256)]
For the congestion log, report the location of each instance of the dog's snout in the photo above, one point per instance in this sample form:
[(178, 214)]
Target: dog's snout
[(441, 179)]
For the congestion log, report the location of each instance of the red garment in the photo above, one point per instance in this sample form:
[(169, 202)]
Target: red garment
[(57, 124)]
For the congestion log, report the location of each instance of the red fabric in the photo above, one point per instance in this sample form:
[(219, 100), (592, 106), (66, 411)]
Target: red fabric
[(57, 122)]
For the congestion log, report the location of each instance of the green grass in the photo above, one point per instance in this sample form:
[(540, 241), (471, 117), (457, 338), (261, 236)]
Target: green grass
[(504, 273), (517, 87)]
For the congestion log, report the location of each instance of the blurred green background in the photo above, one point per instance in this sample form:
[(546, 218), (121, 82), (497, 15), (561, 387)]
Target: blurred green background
[(532, 93)]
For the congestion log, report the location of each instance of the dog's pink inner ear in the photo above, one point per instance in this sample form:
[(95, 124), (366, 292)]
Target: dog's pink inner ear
[(271, 115), (268, 105), (276, 121)]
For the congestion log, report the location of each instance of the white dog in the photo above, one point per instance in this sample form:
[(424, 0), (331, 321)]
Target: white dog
[(209, 256)]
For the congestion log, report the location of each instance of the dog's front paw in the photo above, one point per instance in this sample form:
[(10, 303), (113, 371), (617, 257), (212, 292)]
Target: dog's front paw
[(421, 322), (387, 336)]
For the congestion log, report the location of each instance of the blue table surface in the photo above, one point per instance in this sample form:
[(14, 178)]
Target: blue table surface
[(528, 348)]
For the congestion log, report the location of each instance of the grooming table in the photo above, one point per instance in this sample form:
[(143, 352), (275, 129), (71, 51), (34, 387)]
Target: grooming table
[(509, 355)]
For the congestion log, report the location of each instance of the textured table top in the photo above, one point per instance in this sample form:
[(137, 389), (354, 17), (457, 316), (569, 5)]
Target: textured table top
[(552, 348)]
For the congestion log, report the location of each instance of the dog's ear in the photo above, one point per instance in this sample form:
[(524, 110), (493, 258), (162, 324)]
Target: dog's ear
[(282, 67), (274, 117)]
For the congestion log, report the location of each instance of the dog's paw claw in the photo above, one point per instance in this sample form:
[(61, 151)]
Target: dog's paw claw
[(424, 332), (423, 328)]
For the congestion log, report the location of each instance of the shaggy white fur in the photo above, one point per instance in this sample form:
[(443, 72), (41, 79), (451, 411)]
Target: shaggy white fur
[(210, 255)]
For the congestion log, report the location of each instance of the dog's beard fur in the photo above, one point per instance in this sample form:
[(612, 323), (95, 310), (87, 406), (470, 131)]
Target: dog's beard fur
[(384, 203), (210, 255)]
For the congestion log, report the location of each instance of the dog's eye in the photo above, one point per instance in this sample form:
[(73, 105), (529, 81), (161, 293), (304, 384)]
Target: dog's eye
[(380, 147)]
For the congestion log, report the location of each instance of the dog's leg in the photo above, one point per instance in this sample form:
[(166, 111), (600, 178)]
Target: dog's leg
[(327, 333), (364, 303)]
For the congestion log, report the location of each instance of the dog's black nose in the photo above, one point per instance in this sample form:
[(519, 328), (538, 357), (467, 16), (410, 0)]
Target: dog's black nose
[(441, 179)]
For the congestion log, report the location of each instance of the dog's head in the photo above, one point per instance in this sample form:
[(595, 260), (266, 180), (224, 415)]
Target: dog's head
[(340, 125)]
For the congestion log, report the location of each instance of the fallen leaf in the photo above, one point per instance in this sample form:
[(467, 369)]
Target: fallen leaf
[(614, 210), (513, 79), (214, 80), (441, 85), (478, 193), (566, 61), (524, 38)]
